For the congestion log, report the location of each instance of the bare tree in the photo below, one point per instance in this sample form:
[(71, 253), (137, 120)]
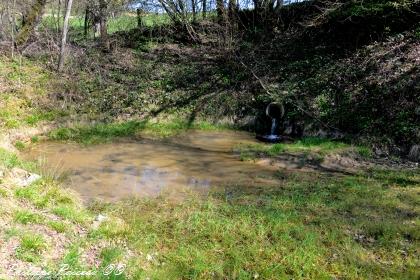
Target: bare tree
[(64, 36)]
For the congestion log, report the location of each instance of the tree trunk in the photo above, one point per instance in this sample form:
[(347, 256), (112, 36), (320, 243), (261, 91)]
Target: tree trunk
[(204, 8), (10, 14), (194, 12), (233, 6), (32, 18), (64, 37), (103, 23), (86, 23), (220, 8), (58, 15)]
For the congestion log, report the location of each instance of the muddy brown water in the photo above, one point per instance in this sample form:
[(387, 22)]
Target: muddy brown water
[(196, 161)]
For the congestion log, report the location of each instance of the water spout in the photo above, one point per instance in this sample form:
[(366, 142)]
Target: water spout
[(275, 111)]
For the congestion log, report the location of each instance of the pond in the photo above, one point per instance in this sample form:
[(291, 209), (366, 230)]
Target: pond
[(196, 161)]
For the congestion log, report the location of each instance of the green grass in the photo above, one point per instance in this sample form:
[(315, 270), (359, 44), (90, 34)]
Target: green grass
[(10, 160), (311, 226), (112, 256), (20, 145), (27, 217), (72, 213), (105, 132), (44, 194), (31, 247), (23, 81), (58, 226), (308, 226), (309, 145), (122, 22)]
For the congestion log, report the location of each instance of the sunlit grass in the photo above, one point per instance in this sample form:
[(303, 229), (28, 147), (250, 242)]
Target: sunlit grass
[(22, 81), (321, 227), (10, 160), (312, 145), (45, 194), (122, 22), (58, 226), (309, 226), (104, 132), (31, 247), (27, 217)]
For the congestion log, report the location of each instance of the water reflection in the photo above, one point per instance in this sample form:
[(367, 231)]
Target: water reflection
[(196, 161)]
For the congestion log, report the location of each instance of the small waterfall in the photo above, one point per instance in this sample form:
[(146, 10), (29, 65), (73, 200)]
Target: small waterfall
[(275, 111), (273, 126)]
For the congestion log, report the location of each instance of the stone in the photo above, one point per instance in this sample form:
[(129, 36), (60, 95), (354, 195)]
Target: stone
[(101, 218), (23, 178), (414, 153)]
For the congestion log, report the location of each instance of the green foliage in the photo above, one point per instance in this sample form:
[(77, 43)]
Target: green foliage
[(112, 256), (122, 22), (374, 7)]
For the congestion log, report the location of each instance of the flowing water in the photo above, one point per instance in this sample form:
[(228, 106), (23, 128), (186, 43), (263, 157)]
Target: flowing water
[(273, 126), (197, 161)]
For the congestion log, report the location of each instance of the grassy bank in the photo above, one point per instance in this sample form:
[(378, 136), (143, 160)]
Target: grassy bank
[(23, 85), (316, 146), (311, 226), (105, 132)]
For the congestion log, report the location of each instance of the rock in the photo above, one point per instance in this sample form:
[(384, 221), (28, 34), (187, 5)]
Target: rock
[(101, 218), (414, 153), (380, 152), (31, 179), (322, 133), (23, 178)]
